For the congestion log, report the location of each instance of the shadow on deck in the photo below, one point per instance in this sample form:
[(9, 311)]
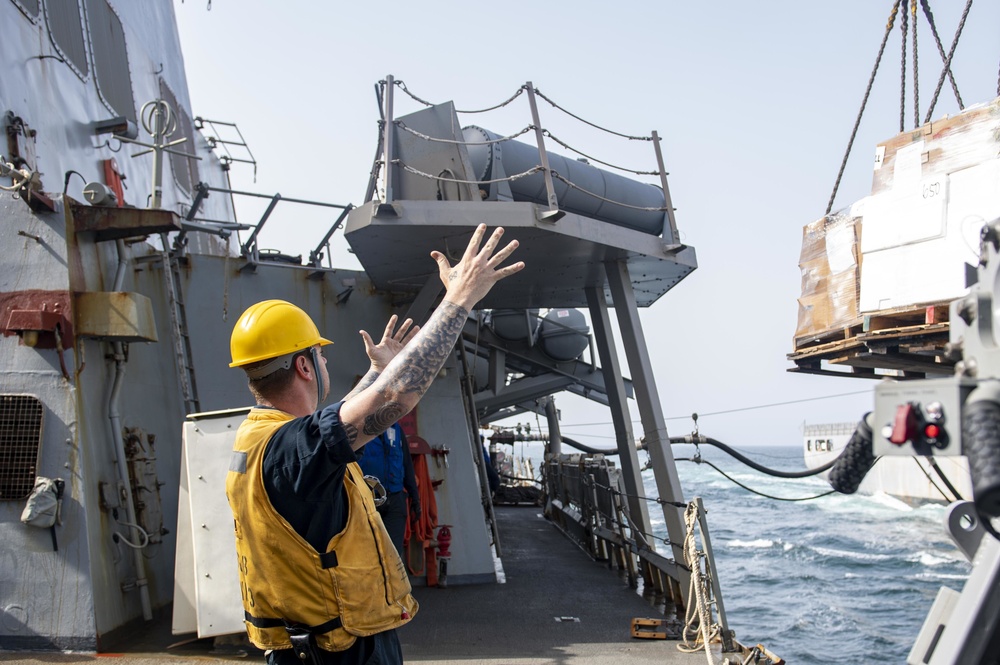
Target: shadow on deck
[(556, 606), (547, 578)]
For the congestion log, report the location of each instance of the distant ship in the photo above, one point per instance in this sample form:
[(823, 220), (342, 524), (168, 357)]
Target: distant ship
[(915, 480)]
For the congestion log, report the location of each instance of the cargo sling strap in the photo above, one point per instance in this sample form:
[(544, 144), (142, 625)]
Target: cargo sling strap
[(303, 638)]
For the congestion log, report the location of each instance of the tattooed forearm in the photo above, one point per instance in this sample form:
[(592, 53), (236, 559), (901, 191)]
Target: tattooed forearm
[(415, 368), (351, 431), (365, 381), (384, 416)]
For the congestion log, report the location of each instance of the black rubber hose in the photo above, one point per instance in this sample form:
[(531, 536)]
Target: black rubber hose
[(981, 443), (676, 440), (749, 462), (856, 460)]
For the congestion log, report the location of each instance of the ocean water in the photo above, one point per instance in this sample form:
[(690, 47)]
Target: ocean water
[(835, 579)]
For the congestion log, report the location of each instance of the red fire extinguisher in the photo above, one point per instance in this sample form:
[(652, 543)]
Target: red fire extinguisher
[(443, 543)]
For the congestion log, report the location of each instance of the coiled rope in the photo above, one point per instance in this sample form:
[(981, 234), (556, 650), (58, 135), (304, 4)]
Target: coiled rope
[(19, 177), (699, 630)]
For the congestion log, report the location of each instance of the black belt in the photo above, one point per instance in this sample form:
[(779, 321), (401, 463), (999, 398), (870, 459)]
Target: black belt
[(303, 638), (260, 622)]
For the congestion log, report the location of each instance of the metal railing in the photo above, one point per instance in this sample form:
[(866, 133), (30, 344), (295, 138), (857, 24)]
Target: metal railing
[(584, 497), (389, 124)]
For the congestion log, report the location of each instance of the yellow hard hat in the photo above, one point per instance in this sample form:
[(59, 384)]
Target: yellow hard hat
[(271, 329)]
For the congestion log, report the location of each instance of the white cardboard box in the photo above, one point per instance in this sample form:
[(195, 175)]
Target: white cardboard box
[(917, 240)]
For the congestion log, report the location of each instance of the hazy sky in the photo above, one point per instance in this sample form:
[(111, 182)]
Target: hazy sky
[(755, 102)]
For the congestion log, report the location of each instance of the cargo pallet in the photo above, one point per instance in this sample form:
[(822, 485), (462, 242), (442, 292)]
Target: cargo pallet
[(906, 342)]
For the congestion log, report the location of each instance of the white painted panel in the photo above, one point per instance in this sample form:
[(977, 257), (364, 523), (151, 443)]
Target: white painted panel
[(185, 618), (208, 442)]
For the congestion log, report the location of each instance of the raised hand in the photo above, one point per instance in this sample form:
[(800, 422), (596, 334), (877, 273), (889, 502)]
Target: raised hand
[(391, 344), (469, 280)]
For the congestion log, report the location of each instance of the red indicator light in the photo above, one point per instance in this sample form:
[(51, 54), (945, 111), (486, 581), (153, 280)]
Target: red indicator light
[(932, 431)]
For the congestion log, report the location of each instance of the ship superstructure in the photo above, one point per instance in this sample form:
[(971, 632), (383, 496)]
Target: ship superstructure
[(131, 270)]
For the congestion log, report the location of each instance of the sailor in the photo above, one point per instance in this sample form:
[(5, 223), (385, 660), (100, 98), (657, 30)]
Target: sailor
[(387, 458), (320, 579)]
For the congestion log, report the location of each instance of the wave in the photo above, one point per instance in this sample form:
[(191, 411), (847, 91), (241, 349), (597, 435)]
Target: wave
[(940, 576), (760, 543)]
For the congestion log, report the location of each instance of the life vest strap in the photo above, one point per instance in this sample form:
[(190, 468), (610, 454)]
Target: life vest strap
[(263, 622)]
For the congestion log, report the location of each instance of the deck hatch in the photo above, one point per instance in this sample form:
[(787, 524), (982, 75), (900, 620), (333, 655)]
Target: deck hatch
[(20, 438)]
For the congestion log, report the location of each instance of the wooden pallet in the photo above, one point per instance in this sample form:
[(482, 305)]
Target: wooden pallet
[(909, 342)]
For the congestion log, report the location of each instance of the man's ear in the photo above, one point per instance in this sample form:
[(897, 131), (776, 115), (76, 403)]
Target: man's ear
[(303, 367)]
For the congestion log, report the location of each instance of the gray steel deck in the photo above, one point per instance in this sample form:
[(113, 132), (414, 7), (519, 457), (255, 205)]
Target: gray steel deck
[(547, 577)]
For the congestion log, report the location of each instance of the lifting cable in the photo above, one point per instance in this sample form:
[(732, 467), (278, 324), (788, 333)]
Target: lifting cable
[(945, 72), (903, 23), (947, 62), (944, 58), (864, 103)]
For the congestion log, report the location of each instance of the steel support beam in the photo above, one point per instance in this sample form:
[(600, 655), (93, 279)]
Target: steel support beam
[(650, 410), (524, 389), (552, 419), (618, 403)]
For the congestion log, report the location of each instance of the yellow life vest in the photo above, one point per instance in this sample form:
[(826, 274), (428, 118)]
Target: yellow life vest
[(357, 587)]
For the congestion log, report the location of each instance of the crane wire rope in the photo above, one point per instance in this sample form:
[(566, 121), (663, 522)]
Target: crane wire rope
[(916, 77), (947, 64), (944, 59), (864, 102), (903, 26), (945, 72)]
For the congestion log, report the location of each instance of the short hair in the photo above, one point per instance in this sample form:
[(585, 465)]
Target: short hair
[(275, 383)]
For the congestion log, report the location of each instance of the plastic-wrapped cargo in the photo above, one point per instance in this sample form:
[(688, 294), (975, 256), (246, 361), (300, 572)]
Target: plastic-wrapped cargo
[(933, 189), (829, 262)]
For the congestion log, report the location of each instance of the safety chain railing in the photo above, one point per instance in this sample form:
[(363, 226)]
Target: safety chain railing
[(388, 124), (585, 500)]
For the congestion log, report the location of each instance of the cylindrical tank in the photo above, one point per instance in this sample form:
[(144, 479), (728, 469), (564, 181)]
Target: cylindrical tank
[(514, 325), (564, 334), (517, 157)]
